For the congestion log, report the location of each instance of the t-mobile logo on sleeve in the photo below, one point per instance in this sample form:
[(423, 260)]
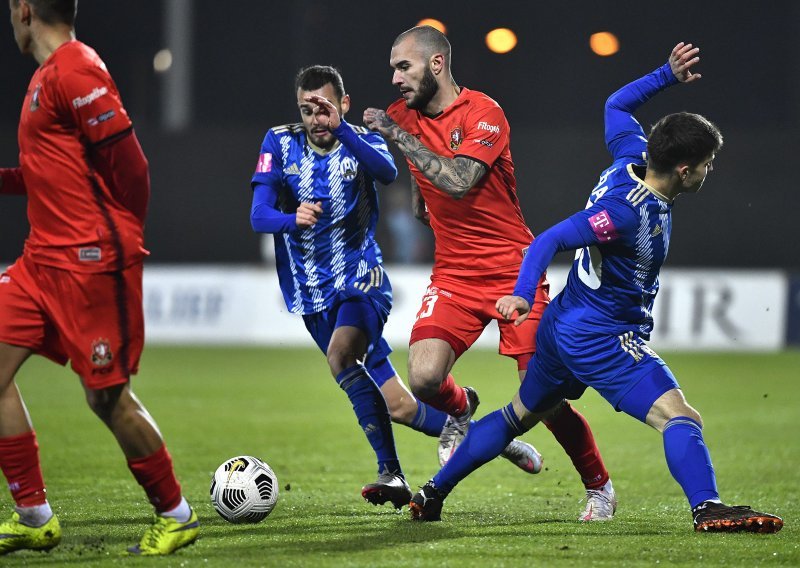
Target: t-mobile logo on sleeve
[(603, 227), (264, 164)]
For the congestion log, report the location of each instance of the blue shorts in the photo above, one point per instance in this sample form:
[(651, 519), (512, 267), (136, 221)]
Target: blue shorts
[(364, 304), (622, 368)]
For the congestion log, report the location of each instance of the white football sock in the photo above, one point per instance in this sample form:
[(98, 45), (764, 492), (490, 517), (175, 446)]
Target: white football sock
[(34, 516), (181, 513)]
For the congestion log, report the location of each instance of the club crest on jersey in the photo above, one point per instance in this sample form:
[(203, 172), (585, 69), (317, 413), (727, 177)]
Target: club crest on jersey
[(35, 98), (101, 353), (348, 169), (456, 138)]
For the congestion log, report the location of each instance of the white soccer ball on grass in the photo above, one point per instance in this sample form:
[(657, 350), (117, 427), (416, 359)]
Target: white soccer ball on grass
[(244, 489)]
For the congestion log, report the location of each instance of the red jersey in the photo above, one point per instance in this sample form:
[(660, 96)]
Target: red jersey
[(72, 104), (484, 232)]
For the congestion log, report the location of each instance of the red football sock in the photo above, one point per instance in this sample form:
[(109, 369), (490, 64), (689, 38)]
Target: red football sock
[(19, 460), (451, 398), (156, 476), (573, 433)]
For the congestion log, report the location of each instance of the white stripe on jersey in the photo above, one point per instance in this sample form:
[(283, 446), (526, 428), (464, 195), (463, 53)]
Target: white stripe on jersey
[(338, 210), (306, 194)]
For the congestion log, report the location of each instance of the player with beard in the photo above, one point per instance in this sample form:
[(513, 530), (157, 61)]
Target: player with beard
[(456, 143)]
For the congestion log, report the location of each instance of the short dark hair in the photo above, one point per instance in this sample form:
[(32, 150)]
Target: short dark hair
[(54, 11), (682, 137), (430, 39), (317, 76)]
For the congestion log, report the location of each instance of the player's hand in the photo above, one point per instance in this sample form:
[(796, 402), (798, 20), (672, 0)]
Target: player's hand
[(418, 207), (682, 59), (325, 112), (308, 214), (508, 305), (377, 119)]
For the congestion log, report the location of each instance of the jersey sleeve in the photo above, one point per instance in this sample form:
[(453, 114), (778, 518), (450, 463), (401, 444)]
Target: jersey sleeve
[(90, 97), (370, 150), (604, 222), (486, 135), (623, 133), (269, 167)]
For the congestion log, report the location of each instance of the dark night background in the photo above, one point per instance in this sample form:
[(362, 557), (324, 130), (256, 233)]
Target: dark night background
[(551, 86)]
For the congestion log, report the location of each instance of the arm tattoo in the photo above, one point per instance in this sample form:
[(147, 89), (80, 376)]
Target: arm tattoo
[(454, 176)]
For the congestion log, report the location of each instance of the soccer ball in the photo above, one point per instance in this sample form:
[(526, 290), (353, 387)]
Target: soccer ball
[(244, 489)]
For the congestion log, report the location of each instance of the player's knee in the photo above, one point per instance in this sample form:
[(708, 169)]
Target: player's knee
[(104, 402), (424, 379), (340, 359)]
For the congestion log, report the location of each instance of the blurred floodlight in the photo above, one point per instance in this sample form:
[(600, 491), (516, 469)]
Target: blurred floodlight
[(162, 61), (501, 40), (604, 43), (436, 24)]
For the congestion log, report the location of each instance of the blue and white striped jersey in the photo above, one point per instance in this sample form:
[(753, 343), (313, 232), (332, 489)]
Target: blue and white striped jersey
[(314, 264)]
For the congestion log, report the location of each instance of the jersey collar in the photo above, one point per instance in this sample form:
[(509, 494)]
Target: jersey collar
[(649, 188)]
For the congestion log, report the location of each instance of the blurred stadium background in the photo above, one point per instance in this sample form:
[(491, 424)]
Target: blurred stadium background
[(204, 80)]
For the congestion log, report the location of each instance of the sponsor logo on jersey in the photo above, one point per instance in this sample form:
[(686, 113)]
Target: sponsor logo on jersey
[(292, 170), (456, 138), (603, 227), (484, 142), (493, 128), (89, 254), (348, 168), (656, 231), (264, 164), (101, 353), (96, 93), (101, 118), (35, 98)]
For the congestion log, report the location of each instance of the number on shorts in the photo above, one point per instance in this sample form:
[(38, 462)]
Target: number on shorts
[(427, 306)]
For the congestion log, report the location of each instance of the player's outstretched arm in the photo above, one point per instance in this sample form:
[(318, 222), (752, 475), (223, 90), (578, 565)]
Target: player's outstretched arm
[(11, 182), (623, 134), (454, 176)]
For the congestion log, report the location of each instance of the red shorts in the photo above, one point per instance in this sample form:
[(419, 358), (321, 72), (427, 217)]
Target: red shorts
[(457, 309), (93, 320)]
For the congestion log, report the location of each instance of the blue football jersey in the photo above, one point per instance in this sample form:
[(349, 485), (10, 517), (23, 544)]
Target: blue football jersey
[(314, 264), (612, 285)]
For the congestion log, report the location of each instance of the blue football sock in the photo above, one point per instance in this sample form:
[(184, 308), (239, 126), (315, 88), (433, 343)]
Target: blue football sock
[(688, 460), (373, 415), (428, 420), (485, 440)]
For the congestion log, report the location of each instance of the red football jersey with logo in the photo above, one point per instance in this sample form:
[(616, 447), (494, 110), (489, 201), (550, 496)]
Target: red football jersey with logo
[(76, 223), (484, 232)]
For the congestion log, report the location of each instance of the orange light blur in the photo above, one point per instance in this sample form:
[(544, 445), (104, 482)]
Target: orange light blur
[(436, 24), (501, 40), (604, 43)]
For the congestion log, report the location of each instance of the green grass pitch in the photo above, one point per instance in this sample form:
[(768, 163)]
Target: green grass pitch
[(282, 405)]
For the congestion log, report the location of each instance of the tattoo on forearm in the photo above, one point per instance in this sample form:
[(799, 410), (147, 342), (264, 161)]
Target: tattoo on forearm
[(454, 176)]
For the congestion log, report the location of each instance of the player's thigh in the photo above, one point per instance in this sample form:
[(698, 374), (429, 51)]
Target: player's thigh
[(451, 311), (99, 321), (429, 361), (23, 321), (548, 380), (623, 369)]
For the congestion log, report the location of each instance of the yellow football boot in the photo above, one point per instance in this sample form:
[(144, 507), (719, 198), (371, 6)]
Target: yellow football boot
[(167, 535), (16, 536)]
